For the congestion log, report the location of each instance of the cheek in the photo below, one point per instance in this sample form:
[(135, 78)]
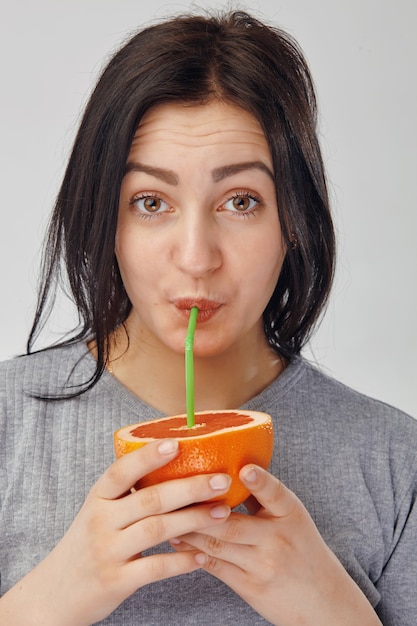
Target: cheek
[(141, 266), (128, 253), (123, 255), (263, 261), (129, 247)]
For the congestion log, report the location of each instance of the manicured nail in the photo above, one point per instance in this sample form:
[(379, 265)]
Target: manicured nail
[(250, 476), (220, 511), (168, 446), (220, 482)]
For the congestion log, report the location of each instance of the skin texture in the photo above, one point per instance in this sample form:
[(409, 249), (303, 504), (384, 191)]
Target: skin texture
[(198, 223), (271, 558), (97, 564), (214, 239), (277, 556), (194, 241)]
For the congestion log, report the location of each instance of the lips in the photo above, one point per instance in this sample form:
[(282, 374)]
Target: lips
[(206, 308), (201, 303)]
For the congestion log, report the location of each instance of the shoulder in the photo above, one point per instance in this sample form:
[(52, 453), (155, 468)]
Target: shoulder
[(371, 433), (44, 372), (313, 407), (344, 403), (356, 415), (304, 392)]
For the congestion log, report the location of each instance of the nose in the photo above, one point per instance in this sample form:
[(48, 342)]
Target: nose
[(197, 249)]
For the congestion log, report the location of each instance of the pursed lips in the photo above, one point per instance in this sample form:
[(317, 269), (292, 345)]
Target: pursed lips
[(206, 308), (201, 303)]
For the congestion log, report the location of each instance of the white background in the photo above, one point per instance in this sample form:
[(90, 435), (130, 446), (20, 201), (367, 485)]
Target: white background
[(362, 54)]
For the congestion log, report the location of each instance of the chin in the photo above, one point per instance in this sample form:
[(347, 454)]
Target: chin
[(207, 346), (210, 349)]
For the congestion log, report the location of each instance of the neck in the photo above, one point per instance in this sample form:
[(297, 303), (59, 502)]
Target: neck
[(226, 381)]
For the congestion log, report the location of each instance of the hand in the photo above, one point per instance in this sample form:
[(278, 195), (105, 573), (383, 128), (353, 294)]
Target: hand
[(277, 561), (98, 562)]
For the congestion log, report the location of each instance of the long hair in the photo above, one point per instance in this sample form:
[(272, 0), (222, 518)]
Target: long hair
[(192, 59)]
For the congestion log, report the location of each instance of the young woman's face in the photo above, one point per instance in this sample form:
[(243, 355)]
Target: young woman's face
[(198, 225)]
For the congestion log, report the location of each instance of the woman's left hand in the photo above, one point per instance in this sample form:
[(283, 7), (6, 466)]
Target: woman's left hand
[(277, 561)]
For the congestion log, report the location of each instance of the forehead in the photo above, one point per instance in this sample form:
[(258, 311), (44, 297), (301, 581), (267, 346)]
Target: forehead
[(193, 126)]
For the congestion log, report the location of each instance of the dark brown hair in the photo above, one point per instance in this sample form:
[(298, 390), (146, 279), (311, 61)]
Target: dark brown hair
[(192, 59)]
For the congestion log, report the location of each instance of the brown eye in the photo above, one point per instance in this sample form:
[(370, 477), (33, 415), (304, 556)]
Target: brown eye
[(147, 205), (152, 204), (241, 203)]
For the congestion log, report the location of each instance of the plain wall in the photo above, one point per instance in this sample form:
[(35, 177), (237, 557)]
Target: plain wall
[(362, 54)]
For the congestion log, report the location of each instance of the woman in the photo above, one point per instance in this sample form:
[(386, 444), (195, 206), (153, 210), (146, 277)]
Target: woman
[(196, 179)]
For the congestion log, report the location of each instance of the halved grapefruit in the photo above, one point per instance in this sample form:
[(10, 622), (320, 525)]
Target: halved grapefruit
[(220, 441)]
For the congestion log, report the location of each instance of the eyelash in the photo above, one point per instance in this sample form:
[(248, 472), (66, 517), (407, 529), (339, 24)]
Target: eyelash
[(150, 214), (249, 195), (237, 194)]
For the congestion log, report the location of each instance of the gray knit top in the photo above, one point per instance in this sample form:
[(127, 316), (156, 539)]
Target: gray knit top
[(350, 459)]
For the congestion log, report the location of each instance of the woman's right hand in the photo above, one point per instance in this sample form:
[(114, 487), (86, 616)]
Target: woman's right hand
[(98, 563)]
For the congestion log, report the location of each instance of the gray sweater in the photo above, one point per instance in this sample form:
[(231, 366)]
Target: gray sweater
[(350, 459)]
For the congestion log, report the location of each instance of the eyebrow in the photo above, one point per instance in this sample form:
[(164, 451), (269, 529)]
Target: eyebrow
[(167, 176), (229, 170), (218, 174)]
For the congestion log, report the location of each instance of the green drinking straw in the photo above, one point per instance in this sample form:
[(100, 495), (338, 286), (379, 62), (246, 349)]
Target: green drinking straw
[(189, 366)]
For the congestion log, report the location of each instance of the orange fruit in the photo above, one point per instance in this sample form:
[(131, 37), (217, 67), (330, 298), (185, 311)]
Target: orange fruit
[(220, 441)]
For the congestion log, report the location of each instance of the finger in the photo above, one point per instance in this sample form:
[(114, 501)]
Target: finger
[(156, 567), (136, 573), (270, 492), (169, 496), (232, 570), (121, 475), (215, 547), (242, 541), (231, 542), (154, 530), (239, 529)]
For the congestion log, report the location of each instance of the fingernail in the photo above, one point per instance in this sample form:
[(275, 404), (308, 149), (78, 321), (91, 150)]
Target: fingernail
[(219, 511), (250, 476), (200, 558), (175, 541), (220, 482), (168, 446)]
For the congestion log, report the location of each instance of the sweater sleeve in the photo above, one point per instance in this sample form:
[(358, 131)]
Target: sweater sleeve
[(398, 581)]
